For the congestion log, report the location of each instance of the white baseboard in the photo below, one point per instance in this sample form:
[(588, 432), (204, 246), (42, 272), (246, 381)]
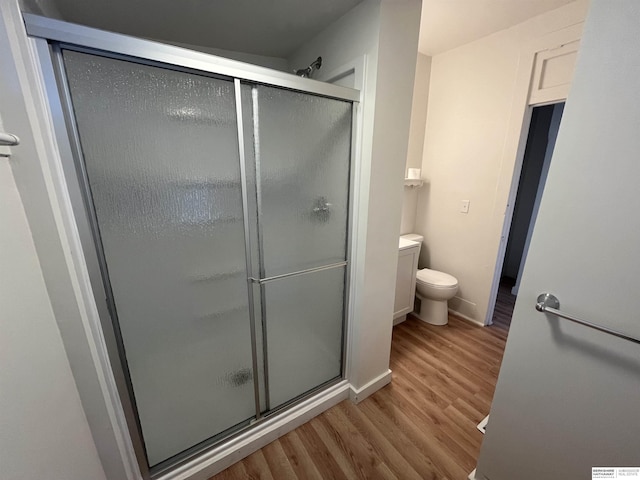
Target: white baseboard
[(476, 476), (466, 319), (359, 394), (482, 426), (399, 319), (213, 462)]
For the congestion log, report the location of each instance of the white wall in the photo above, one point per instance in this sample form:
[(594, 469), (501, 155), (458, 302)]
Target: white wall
[(567, 396), (41, 7), (471, 98), (416, 139), (419, 111), (409, 209), (399, 28), (26, 115), (276, 63), (43, 429), (350, 37), (386, 33)]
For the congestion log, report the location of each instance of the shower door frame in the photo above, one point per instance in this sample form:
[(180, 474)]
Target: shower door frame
[(49, 37)]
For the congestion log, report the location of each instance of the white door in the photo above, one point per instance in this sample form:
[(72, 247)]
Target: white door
[(568, 397)]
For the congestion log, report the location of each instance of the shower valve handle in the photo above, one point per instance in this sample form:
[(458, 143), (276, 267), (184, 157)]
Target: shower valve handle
[(323, 208), (322, 205)]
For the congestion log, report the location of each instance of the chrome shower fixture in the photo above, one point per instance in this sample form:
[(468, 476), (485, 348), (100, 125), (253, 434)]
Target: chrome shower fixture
[(307, 72)]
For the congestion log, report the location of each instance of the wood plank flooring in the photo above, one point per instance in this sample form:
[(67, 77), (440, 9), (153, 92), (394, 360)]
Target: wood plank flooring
[(505, 302), (421, 426)]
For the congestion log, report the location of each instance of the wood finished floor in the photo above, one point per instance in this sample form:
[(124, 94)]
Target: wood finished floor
[(421, 426), (505, 302)]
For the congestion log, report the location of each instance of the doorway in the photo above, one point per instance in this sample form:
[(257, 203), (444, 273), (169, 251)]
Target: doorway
[(541, 139)]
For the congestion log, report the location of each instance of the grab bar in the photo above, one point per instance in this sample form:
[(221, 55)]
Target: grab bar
[(549, 303)]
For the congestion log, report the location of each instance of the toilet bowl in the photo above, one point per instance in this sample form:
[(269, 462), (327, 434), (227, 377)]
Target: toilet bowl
[(433, 289)]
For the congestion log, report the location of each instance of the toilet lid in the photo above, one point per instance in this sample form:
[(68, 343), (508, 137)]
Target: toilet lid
[(435, 278)]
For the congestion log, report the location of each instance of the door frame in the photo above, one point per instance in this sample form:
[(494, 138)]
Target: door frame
[(522, 108), (536, 205)]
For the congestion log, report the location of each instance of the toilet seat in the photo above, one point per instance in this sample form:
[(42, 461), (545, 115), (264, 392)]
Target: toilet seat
[(435, 279)]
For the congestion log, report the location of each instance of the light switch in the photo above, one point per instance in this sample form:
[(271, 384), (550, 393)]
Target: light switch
[(464, 206)]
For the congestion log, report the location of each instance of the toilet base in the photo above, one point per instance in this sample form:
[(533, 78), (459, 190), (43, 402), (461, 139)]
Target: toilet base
[(433, 312)]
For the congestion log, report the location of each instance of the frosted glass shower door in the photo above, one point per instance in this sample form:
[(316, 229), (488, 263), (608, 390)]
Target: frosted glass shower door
[(161, 161), (302, 148)]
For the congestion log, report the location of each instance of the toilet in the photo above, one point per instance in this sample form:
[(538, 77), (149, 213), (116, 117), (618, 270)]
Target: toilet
[(434, 289)]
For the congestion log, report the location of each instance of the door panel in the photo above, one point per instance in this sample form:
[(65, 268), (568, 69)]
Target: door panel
[(298, 148), (161, 157), (302, 147), (568, 397), (303, 332)]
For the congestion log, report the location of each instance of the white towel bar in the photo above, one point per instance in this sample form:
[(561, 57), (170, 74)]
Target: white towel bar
[(9, 140)]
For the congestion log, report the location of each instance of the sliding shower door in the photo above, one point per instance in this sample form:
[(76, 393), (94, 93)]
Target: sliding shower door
[(300, 147), (217, 212), (162, 166)]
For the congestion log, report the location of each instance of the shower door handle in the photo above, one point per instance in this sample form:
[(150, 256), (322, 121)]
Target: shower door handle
[(330, 266)]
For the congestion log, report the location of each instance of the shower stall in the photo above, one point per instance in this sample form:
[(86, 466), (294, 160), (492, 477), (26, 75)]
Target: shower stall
[(212, 200)]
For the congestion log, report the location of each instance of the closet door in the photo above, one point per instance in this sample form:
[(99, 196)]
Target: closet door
[(161, 163), (300, 145)]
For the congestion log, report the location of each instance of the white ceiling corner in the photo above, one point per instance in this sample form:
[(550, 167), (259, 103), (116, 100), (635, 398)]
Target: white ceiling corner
[(446, 24)]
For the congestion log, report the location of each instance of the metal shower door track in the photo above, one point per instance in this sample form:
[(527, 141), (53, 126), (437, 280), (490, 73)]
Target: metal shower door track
[(74, 34)]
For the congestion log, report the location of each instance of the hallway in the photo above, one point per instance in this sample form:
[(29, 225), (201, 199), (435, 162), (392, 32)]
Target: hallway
[(505, 302), (421, 426)]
